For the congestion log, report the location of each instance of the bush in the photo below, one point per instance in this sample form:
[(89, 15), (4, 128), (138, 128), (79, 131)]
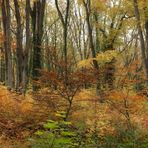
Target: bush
[(125, 139), (61, 134), (55, 134)]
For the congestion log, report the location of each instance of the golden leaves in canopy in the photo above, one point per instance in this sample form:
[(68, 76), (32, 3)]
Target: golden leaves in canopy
[(95, 4), (106, 57), (102, 58)]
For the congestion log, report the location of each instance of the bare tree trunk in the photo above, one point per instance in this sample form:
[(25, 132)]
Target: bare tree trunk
[(37, 15), (19, 49), (146, 28), (97, 32), (64, 21), (2, 69), (7, 42), (2, 65), (142, 41), (27, 48), (92, 47)]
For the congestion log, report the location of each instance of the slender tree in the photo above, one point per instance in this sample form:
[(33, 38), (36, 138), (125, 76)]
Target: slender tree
[(19, 48), (87, 6), (6, 20), (37, 15), (26, 54), (64, 21), (143, 43)]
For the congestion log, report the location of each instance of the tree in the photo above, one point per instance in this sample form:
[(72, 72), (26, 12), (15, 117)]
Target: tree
[(143, 42), (19, 48), (26, 54), (6, 19), (92, 47), (37, 15), (64, 21)]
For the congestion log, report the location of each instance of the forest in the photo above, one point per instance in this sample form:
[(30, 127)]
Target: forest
[(73, 73)]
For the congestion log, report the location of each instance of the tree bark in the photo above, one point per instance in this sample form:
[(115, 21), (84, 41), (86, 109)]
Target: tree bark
[(37, 15), (19, 48), (142, 41), (6, 20), (64, 21), (92, 47), (25, 74)]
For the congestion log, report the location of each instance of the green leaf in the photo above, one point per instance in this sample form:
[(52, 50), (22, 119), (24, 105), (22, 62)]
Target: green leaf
[(39, 133), (51, 121), (51, 125), (68, 134), (50, 136), (60, 115), (63, 141)]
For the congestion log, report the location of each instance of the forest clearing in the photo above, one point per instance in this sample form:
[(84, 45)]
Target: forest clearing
[(73, 73)]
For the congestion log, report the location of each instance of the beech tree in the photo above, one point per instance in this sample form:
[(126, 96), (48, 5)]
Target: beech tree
[(37, 15), (6, 20), (64, 21), (143, 39), (19, 48)]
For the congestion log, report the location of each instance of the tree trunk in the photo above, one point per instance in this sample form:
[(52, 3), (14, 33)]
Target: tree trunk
[(19, 48), (37, 15), (142, 41), (7, 42), (27, 48), (64, 21), (92, 47)]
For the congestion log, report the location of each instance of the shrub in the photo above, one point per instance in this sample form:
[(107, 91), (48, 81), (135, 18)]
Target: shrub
[(55, 134)]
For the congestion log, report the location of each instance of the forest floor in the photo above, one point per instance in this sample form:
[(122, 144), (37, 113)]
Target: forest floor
[(21, 116)]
